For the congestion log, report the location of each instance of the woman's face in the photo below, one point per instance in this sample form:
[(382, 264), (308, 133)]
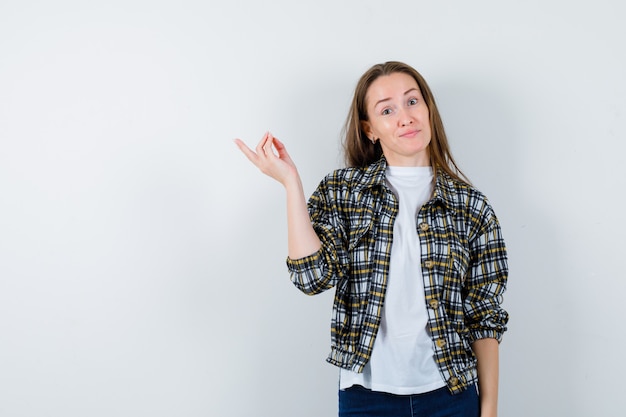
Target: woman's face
[(398, 117)]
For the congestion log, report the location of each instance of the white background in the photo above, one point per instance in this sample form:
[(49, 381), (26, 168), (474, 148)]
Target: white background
[(142, 256)]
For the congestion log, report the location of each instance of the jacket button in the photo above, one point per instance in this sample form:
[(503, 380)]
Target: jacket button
[(429, 264), (424, 227), (454, 381), (433, 303), (441, 343)]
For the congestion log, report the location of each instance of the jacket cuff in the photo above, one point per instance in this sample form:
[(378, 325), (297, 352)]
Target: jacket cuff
[(303, 264)]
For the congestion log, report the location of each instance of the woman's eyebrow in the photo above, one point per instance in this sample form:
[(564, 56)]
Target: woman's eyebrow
[(410, 90)]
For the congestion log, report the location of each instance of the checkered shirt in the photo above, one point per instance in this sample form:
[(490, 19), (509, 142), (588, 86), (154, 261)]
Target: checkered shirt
[(464, 266)]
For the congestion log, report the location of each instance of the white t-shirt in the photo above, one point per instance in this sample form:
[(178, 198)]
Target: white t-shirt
[(402, 359)]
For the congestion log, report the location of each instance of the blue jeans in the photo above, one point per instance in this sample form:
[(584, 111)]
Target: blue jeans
[(357, 401)]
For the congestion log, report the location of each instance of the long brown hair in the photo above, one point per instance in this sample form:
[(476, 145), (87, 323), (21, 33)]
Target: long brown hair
[(359, 151)]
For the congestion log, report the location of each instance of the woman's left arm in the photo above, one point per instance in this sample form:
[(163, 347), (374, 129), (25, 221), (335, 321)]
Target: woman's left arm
[(484, 315), (487, 356)]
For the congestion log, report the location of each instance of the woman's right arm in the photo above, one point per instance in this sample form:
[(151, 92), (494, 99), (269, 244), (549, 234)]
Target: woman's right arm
[(302, 239)]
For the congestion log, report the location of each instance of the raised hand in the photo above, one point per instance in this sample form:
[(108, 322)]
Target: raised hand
[(271, 157)]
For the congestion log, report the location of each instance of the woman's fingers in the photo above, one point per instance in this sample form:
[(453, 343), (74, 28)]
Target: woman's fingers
[(270, 156), (253, 157), (269, 146), (259, 151), (259, 146), (280, 147), (263, 156), (282, 151)]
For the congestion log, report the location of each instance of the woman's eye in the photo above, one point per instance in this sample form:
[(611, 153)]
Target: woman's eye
[(412, 102), (385, 112)]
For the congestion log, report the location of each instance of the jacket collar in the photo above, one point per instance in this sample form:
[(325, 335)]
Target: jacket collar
[(373, 175), (445, 189), (445, 186)]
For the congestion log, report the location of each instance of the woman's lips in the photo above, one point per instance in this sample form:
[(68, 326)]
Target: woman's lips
[(409, 134)]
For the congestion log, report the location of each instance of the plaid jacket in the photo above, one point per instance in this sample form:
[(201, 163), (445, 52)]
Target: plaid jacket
[(463, 256)]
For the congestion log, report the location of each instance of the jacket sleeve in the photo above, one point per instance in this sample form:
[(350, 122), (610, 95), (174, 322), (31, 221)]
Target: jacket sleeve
[(322, 270), (487, 277)]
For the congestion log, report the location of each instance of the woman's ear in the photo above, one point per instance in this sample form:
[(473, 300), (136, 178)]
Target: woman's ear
[(366, 127)]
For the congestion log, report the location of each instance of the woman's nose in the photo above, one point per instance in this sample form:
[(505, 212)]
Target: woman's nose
[(405, 118)]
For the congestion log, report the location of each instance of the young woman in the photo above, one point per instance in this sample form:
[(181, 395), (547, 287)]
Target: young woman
[(415, 254)]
